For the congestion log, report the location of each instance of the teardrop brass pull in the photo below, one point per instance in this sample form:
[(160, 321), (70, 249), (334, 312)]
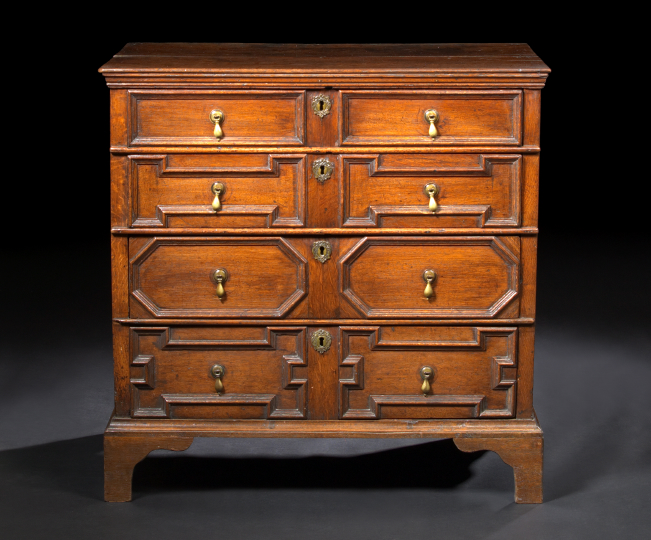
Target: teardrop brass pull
[(218, 189), (217, 372), (426, 373), (220, 276), (431, 190), (217, 117), (429, 276), (432, 117)]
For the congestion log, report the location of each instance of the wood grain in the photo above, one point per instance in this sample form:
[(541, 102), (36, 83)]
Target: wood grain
[(474, 372), (525, 455), (122, 453), (262, 191), (170, 374), (398, 117), (183, 117), (388, 190)]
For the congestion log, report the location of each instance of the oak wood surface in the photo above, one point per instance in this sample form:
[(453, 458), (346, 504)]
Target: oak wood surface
[(388, 190), (477, 331), (183, 117), (398, 117), (224, 59), (122, 453), (474, 372), (259, 190), (476, 277), (525, 455), (264, 376), (396, 428)]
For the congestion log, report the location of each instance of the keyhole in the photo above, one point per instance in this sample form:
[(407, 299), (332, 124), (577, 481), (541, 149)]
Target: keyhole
[(322, 169), (321, 341), (320, 104), (321, 250)]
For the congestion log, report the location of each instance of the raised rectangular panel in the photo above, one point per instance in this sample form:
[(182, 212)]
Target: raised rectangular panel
[(172, 118), (466, 117)]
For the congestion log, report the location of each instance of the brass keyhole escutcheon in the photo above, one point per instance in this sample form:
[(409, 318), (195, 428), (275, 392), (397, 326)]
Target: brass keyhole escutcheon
[(429, 276), (321, 251), (321, 105), (217, 118), (219, 276), (432, 117), (431, 190), (217, 372), (321, 340), (322, 169), (218, 190), (427, 374)]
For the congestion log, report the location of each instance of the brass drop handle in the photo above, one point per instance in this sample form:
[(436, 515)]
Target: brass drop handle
[(217, 372), (217, 117), (429, 276), (218, 189), (426, 373), (432, 117), (220, 276), (431, 190)]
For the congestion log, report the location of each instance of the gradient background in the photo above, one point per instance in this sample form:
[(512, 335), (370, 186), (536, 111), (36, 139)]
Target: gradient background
[(593, 359)]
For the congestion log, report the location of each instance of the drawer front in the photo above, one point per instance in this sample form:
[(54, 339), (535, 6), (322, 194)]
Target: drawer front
[(161, 118), (263, 372), (442, 277), (464, 117), (175, 277), (255, 190), (431, 190), (470, 372)]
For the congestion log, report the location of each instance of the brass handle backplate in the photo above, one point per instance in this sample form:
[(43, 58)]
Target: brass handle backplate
[(217, 117), (217, 372), (321, 105), (427, 374), (219, 276), (432, 117), (429, 276), (218, 190), (431, 190), (322, 169)]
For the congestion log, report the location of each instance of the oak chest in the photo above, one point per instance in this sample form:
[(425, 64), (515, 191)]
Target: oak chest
[(324, 241)]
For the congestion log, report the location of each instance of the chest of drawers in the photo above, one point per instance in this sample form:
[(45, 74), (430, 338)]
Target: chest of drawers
[(324, 241)]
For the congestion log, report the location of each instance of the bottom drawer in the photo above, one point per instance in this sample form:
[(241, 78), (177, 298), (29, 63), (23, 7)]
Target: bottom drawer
[(174, 372), (363, 372), (427, 372)]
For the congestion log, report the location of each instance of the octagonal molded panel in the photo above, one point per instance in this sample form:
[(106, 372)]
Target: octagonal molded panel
[(476, 277), (171, 277)]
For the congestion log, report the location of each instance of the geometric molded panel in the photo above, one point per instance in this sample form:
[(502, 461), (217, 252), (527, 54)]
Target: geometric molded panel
[(387, 190), (174, 190), (473, 378), (171, 277), (476, 277), (171, 379)]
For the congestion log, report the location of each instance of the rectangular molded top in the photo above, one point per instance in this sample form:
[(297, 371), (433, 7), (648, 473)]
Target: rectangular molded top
[(259, 59)]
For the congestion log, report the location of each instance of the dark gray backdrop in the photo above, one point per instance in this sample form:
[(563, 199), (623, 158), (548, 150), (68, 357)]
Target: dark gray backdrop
[(592, 371)]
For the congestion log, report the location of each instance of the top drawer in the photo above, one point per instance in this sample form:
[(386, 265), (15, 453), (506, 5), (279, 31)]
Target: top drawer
[(162, 118), (464, 117)]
